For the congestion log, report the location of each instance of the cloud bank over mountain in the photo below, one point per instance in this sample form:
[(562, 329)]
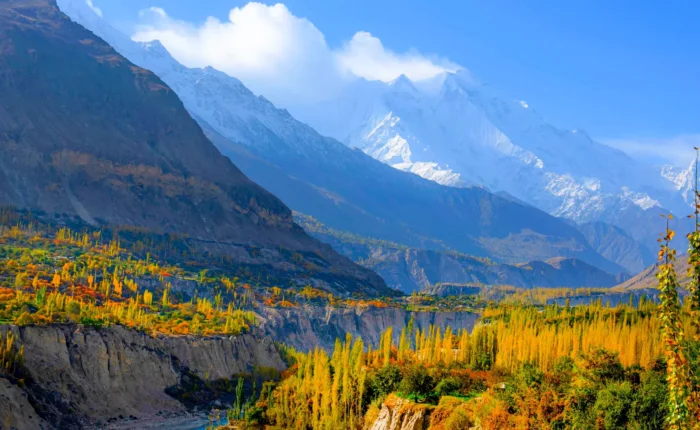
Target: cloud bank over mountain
[(280, 55)]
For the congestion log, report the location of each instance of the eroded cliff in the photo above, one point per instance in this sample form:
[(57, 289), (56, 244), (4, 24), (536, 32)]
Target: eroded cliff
[(78, 377)]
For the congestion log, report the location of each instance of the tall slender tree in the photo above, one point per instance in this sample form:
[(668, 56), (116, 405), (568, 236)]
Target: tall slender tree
[(673, 334)]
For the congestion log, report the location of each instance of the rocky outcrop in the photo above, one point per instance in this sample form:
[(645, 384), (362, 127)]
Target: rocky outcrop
[(448, 289), (307, 327), (399, 414), (78, 376), (15, 410), (451, 413)]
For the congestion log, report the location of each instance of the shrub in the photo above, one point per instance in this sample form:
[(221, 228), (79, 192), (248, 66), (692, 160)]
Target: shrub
[(649, 407), (459, 419), (386, 381), (613, 405), (448, 386), (73, 308), (417, 382)]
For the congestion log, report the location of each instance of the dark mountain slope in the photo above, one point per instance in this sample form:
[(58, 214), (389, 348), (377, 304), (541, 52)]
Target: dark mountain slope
[(348, 190), (412, 269), (84, 132), (616, 245)]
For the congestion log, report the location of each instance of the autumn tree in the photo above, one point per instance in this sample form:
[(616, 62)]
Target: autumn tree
[(673, 333)]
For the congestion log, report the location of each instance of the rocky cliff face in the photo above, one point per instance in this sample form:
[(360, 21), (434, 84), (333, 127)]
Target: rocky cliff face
[(15, 410), (400, 414), (308, 327), (84, 377)]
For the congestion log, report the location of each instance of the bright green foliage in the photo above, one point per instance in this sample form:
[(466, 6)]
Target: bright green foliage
[(238, 405), (385, 381)]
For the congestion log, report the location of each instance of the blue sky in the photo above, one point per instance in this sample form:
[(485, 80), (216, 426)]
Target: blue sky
[(627, 70)]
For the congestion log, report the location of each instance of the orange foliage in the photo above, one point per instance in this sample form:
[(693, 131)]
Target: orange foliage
[(6, 294)]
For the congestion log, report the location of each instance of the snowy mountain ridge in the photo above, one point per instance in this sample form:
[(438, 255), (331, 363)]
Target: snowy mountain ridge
[(682, 179), (458, 132), (345, 188), (348, 189), (450, 129), (209, 94)]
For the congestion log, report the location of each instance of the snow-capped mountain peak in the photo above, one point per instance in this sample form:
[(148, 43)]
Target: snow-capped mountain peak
[(456, 130), (402, 83), (156, 49), (682, 179), (451, 129)]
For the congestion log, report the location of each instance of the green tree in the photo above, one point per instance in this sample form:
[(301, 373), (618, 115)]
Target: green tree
[(386, 381), (613, 405), (240, 398), (448, 386), (649, 408), (417, 382)]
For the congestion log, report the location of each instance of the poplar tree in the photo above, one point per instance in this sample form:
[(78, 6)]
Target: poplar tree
[(670, 314)]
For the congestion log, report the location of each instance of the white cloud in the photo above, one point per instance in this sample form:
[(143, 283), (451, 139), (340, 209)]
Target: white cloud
[(365, 56), (676, 150), (277, 54), (268, 48), (95, 9)]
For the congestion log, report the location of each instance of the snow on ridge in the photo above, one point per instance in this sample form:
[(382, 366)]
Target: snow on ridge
[(433, 172), (454, 120), (451, 129), (682, 179)]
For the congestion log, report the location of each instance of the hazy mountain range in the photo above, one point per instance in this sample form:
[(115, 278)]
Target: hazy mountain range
[(457, 131), (343, 187), (440, 164), (413, 269)]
